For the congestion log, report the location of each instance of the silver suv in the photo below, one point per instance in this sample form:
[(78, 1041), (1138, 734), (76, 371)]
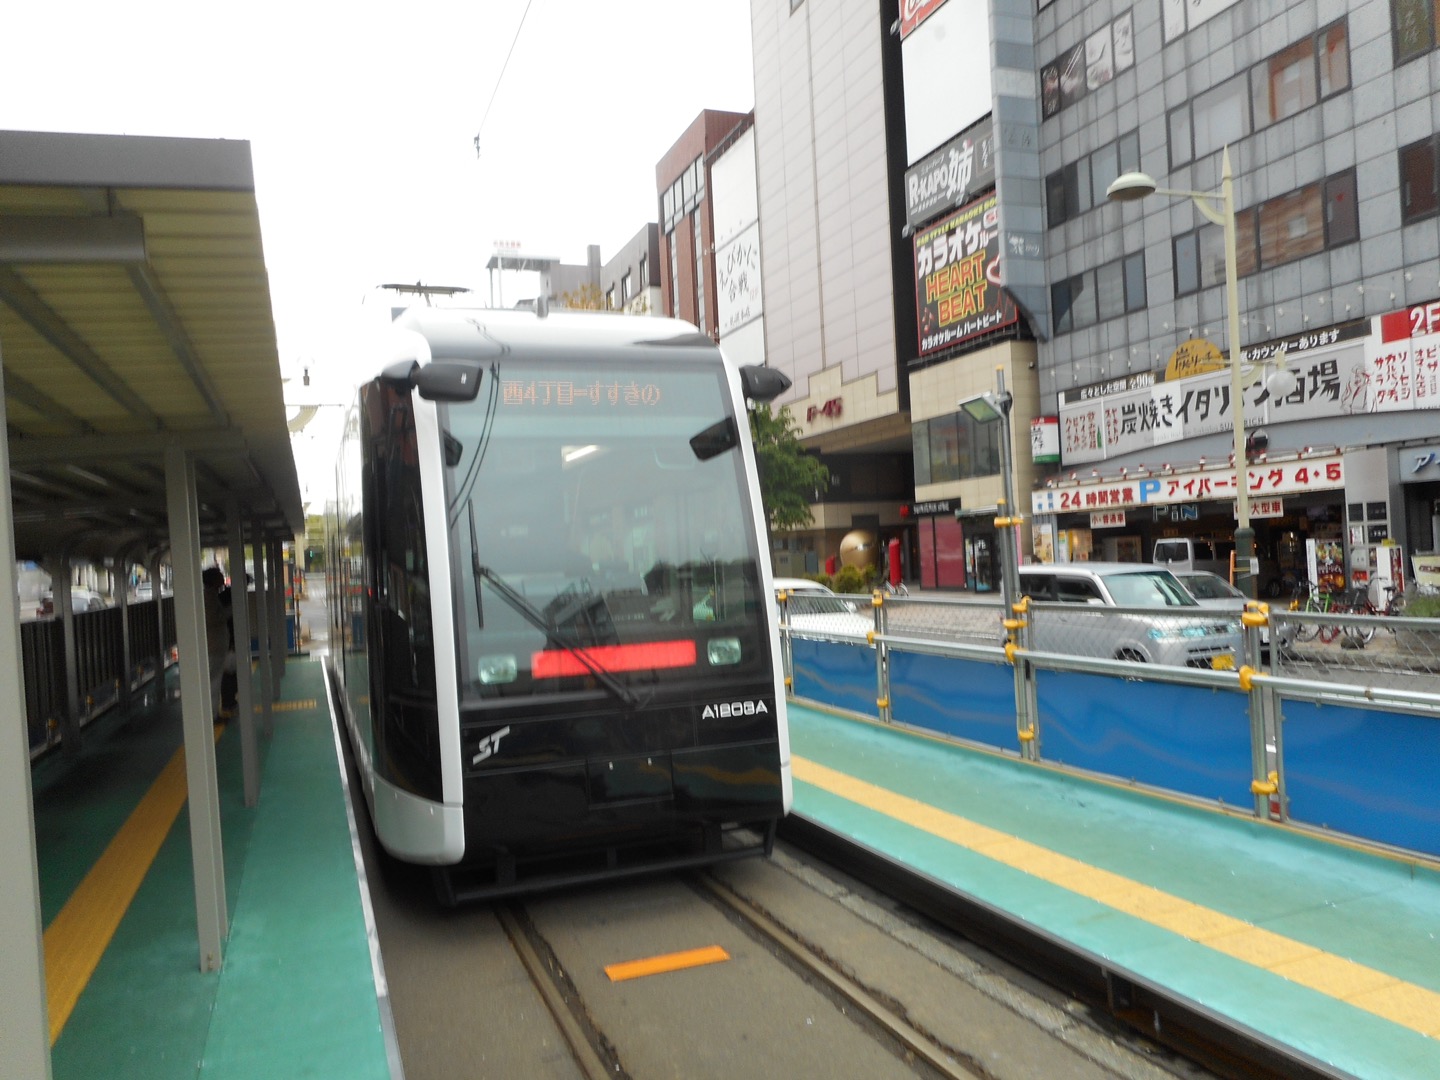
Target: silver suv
[(1125, 611)]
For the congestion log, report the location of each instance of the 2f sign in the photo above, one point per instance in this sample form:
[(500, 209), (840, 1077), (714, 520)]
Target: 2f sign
[(1411, 322), (1425, 320)]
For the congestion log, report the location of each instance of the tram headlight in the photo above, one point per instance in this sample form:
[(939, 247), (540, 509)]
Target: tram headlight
[(723, 650), (500, 668)]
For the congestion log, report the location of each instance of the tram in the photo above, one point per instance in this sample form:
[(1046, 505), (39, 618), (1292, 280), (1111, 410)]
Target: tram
[(550, 628)]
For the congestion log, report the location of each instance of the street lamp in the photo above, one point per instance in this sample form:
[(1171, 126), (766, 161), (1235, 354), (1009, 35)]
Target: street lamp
[(987, 408), (1131, 186)]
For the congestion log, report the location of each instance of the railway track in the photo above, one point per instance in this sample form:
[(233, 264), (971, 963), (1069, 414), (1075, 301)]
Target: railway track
[(889, 998)]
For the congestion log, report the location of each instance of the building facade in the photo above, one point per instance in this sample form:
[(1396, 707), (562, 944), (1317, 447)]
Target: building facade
[(628, 281), (884, 212), (1328, 111)]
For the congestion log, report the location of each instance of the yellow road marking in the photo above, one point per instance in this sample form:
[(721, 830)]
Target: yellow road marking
[(1403, 1003), (657, 965)]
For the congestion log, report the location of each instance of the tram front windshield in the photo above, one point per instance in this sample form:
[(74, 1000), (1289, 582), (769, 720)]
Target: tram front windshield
[(602, 530)]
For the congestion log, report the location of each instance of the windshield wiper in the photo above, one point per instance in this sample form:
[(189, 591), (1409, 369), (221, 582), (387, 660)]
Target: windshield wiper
[(527, 610)]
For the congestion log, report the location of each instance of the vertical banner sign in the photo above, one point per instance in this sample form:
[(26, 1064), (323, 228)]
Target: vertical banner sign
[(1045, 440), (957, 278)]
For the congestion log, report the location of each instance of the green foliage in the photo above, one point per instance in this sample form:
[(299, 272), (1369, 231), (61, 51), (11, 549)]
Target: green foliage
[(790, 478), (1422, 606), (851, 579)]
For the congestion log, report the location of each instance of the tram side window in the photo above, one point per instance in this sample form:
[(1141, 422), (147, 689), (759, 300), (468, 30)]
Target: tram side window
[(399, 559)]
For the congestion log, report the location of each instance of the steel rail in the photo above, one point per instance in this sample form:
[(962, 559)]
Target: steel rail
[(907, 1035), (588, 1059)]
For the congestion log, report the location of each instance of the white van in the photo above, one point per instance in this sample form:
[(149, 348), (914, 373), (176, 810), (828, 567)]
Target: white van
[(1187, 554)]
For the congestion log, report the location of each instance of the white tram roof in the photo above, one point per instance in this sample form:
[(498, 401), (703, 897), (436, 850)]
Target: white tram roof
[(481, 333)]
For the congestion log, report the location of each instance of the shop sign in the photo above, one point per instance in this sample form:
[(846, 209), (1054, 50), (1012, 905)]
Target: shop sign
[(1198, 356), (933, 508), (1045, 440), (1420, 465), (958, 294), (1265, 480), (1263, 508), (965, 164), (1107, 519), (1360, 367)]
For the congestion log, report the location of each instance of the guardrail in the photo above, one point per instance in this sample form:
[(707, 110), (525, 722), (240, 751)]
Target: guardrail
[(1340, 735), (98, 660)]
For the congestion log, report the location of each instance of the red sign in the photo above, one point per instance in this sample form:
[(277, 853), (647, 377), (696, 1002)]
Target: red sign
[(832, 408), (915, 12)]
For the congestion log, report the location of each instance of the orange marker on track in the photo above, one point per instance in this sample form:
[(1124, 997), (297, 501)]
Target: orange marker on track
[(658, 965)]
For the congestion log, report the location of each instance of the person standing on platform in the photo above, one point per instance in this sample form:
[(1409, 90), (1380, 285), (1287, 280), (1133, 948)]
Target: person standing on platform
[(217, 632)]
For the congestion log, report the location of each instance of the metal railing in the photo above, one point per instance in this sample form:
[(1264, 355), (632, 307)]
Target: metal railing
[(1346, 697)]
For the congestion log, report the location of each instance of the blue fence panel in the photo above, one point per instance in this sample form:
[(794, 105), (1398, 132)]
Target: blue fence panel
[(1364, 772), (835, 674), (1180, 738), (965, 699)]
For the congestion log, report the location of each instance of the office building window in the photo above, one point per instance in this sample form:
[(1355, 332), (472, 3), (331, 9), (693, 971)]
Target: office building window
[(1136, 296), (954, 447), (1333, 53), (1342, 216), (674, 276), (1074, 189), (1303, 222), (1187, 263), (1413, 24), (1104, 293), (1292, 226), (699, 276), (1420, 179), (1220, 117), (1287, 83), (644, 271)]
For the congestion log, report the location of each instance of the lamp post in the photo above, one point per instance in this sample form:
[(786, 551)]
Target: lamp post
[(1128, 187), (987, 408)]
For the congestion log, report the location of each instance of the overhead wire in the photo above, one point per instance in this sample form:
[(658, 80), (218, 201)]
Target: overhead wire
[(500, 78)]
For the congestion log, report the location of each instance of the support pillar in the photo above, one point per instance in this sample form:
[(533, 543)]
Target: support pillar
[(244, 694), (262, 631), (204, 804)]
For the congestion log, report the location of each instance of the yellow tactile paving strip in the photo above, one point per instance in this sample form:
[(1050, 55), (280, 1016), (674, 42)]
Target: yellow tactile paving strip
[(77, 937), (1376, 992)]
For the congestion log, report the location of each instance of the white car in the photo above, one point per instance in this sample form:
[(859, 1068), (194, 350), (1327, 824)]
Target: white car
[(1159, 622), (816, 611), (1213, 591)]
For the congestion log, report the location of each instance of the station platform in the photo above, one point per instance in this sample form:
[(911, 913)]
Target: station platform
[(297, 994), (1315, 946)]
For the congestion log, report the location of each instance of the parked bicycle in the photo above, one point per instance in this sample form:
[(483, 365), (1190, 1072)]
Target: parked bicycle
[(1312, 599), (1357, 602)]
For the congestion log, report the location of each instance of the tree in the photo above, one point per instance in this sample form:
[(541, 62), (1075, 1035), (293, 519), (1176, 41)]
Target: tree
[(587, 297), (790, 478)]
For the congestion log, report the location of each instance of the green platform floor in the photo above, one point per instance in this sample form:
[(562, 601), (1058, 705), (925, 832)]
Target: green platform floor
[(296, 995), (1329, 950)]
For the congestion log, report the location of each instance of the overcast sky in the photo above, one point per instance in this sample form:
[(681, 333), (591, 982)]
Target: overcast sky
[(362, 121), (362, 118)]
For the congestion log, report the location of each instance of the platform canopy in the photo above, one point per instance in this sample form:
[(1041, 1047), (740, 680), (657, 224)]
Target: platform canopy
[(135, 316)]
